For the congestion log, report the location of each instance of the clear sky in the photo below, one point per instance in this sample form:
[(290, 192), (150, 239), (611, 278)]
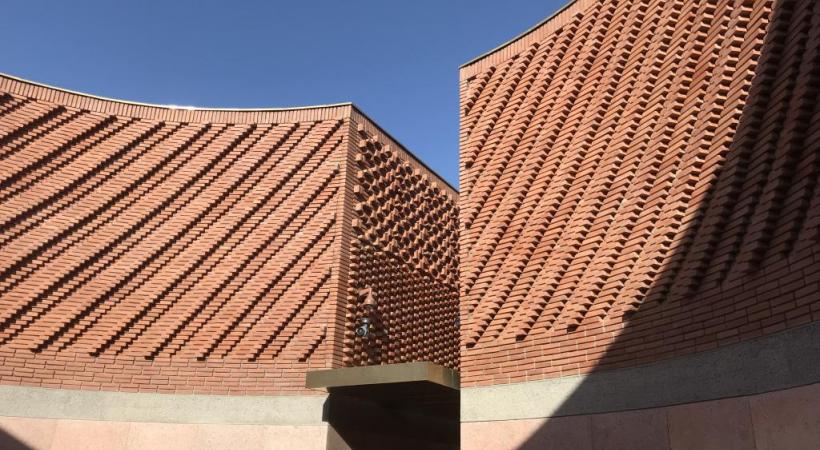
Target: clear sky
[(395, 59)]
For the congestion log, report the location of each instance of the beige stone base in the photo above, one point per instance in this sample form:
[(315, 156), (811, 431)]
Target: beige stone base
[(786, 419), (55, 419), (61, 434)]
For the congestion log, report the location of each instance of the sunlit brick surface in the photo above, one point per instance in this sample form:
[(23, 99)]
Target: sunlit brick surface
[(643, 173), (183, 250), (404, 247)]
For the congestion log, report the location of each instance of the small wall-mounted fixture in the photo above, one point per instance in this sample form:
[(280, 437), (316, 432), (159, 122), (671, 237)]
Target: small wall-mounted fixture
[(363, 328), (365, 324)]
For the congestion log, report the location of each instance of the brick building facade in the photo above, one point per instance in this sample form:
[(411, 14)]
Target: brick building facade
[(189, 251), (639, 187), (633, 260)]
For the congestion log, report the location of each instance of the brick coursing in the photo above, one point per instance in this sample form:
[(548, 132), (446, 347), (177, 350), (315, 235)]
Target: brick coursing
[(639, 181), (161, 250), (404, 247)]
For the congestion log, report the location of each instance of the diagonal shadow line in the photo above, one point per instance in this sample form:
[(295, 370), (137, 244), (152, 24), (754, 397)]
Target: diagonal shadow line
[(45, 128), (563, 114), (28, 127), (609, 107), (89, 218), (258, 205), (272, 284), (10, 442), (302, 303), (72, 322), (107, 249), (235, 323), (75, 189), (67, 147), (207, 302)]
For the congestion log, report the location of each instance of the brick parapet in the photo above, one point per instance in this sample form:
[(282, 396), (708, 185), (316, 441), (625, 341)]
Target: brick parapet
[(171, 113)]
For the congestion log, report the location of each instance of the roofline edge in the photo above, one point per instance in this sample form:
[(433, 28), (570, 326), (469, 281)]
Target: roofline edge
[(167, 106), (520, 35), (410, 153), (195, 109)]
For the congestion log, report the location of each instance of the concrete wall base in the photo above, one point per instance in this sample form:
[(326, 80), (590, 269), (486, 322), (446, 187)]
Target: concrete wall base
[(62, 419), (368, 417), (18, 433), (786, 419)]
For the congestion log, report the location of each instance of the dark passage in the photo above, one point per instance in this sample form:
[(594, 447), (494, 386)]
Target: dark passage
[(413, 415)]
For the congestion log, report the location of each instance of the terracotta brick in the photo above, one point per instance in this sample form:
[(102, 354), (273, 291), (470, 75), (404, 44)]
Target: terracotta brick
[(209, 251), (645, 166)]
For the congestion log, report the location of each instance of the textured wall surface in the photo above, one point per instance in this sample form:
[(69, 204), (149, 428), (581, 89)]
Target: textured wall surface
[(34, 418), (146, 248), (49, 434), (638, 182), (771, 421), (404, 249)]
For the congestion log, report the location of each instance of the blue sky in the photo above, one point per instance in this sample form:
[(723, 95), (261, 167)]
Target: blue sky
[(397, 60)]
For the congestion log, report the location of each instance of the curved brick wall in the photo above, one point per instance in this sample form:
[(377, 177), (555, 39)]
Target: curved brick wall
[(147, 248), (639, 182)]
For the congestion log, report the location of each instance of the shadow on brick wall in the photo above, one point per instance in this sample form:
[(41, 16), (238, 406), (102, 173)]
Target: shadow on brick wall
[(738, 261)]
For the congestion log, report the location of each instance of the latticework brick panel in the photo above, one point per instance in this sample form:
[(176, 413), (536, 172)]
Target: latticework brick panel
[(639, 180), (404, 252)]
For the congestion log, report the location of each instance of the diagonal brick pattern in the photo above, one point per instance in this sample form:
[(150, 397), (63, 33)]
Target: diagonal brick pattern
[(644, 162), (156, 249)]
